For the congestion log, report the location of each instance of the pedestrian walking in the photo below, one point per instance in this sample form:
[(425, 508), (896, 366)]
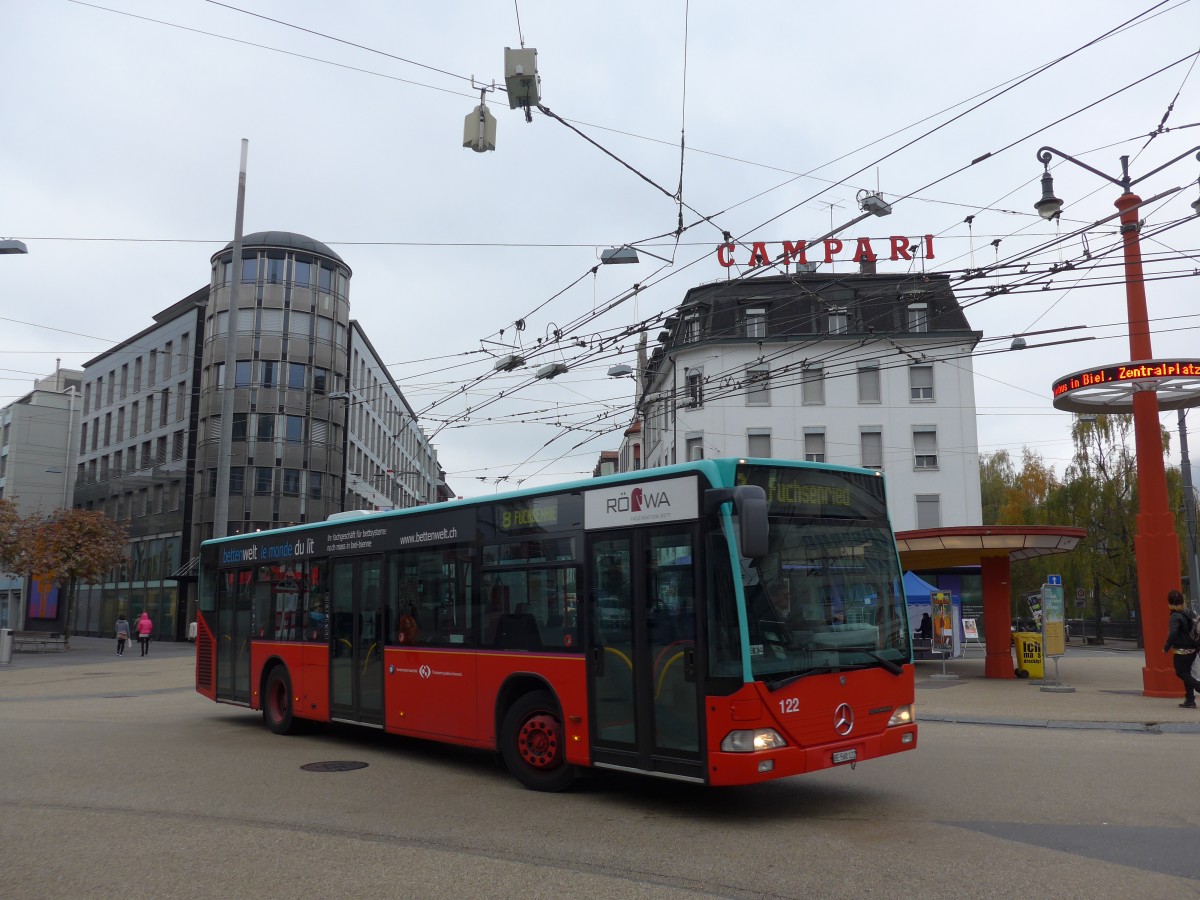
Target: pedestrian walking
[(144, 629), (123, 634), (1181, 646)]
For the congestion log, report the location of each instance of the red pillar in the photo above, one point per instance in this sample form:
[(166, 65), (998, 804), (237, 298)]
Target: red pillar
[(997, 618), (1156, 545)]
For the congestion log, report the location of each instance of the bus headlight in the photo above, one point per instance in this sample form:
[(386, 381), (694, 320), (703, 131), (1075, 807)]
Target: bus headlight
[(902, 716), (750, 741)]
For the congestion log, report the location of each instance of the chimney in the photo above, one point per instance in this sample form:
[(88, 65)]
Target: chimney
[(866, 266)]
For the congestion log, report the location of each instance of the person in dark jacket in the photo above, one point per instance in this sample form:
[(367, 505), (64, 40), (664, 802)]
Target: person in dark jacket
[(1181, 646)]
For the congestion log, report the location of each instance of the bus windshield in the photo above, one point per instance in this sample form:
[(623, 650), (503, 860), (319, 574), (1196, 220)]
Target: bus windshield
[(827, 595)]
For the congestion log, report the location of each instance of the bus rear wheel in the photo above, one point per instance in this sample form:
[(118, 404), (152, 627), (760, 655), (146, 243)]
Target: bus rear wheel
[(277, 703), (532, 743)]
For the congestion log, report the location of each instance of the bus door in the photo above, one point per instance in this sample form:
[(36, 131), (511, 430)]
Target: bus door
[(643, 687), (235, 590), (356, 640)]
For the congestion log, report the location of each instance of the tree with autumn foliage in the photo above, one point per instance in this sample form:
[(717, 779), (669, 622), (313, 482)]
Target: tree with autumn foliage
[(14, 534), (73, 546), (1097, 491)]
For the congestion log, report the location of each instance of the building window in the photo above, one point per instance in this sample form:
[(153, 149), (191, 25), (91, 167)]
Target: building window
[(758, 446), (164, 405), (918, 317), (695, 448), (249, 268), (167, 361), (758, 386), (320, 380), (270, 373), (301, 273), (691, 328), (262, 479), (814, 446), (237, 479), (695, 387), (920, 382), (839, 321), (177, 445), (925, 448), (872, 449), (291, 482), (756, 322), (929, 511), (239, 425), (296, 376), (314, 485), (275, 271), (294, 433), (868, 384), (242, 374), (266, 427), (812, 385)]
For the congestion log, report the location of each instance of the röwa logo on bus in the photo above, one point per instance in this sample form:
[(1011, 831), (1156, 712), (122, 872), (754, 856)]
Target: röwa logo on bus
[(655, 501)]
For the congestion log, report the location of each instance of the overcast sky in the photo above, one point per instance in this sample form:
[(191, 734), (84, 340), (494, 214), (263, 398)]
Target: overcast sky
[(119, 151)]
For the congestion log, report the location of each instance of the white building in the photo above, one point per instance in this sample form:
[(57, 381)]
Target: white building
[(38, 433), (859, 370)]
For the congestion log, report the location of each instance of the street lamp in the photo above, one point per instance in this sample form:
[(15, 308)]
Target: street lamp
[(1156, 545)]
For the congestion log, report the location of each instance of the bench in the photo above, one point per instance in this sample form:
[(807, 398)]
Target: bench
[(38, 641)]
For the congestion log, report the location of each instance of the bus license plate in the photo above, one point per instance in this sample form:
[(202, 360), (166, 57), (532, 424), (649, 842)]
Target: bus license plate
[(844, 756)]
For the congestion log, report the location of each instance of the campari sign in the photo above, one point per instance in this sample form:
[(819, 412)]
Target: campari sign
[(856, 250)]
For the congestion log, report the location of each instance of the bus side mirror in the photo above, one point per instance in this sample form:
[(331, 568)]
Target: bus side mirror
[(750, 506), (750, 503)]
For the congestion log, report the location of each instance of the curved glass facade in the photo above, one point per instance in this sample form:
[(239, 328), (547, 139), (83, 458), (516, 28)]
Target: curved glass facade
[(290, 333)]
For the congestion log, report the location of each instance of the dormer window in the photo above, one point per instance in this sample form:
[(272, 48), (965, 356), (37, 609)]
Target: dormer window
[(691, 327), (755, 318), (839, 320), (918, 317)]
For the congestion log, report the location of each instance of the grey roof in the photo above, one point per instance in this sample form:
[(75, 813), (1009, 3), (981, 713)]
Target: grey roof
[(288, 240)]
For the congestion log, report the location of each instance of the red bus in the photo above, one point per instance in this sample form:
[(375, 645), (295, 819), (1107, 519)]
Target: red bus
[(722, 622)]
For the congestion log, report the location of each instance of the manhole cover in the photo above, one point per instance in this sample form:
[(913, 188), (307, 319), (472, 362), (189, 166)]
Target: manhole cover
[(335, 765)]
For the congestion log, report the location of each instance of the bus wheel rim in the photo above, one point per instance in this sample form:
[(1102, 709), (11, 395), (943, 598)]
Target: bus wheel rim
[(539, 741)]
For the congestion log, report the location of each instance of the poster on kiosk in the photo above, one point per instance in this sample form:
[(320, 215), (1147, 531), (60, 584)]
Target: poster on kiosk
[(920, 595)]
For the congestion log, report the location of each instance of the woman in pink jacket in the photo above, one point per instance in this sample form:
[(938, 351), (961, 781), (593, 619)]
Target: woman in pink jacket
[(143, 626)]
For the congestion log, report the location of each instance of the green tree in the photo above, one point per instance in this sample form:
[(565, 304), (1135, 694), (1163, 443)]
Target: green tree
[(73, 546), (996, 477)]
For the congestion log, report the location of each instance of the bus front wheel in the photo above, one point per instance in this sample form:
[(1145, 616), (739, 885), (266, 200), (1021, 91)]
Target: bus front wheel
[(277, 702), (532, 743)]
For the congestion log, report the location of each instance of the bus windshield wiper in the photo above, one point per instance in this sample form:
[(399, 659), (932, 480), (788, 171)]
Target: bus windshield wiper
[(890, 664), (815, 670)]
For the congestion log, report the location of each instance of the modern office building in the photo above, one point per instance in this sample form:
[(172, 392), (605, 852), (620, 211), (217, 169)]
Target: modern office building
[(868, 370), (137, 463), (38, 433), (318, 425)]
